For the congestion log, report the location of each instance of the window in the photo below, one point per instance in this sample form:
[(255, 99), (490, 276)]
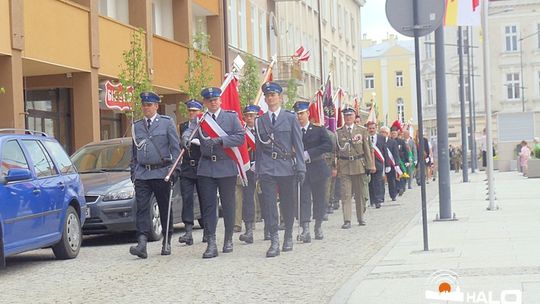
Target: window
[(369, 81), (346, 20), (510, 33), (433, 132), (116, 9), (263, 28), (162, 17), (43, 164), (399, 79), (538, 34), (512, 86), (233, 28), (340, 19), (61, 157), (429, 92), (243, 27), (12, 157), (401, 110), (255, 29), (334, 14), (353, 31), (428, 44)]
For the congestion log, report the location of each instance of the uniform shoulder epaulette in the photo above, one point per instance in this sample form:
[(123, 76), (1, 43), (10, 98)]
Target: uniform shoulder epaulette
[(137, 121), (165, 116), (316, 124), (362, 127), (230, 111), (289, 111), (340, 127)]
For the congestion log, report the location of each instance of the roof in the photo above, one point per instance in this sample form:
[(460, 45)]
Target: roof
[(381, 48)]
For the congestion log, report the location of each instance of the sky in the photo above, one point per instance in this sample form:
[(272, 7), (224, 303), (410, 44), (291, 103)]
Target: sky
[(374, 22)]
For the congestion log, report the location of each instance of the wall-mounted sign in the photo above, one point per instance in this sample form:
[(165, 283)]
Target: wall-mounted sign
[(115, 98)]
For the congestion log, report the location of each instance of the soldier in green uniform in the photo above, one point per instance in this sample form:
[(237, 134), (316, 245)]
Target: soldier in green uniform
[(354, 160)]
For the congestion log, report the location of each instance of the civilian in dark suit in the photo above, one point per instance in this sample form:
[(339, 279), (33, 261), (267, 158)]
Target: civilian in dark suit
[(316, 143), (392, 150), (376, 185)]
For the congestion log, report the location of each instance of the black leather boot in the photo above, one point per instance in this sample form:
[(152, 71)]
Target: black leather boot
[(273, 251), (267, 235), (140, 249), (287, 242), (318, 230), (211, 248), (304, 237), (228, 244), (187, 237), (248, 235), (204, 238), (166, 245)]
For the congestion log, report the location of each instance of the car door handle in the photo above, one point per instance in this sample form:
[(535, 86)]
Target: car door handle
[(61, 185), (36, 191)]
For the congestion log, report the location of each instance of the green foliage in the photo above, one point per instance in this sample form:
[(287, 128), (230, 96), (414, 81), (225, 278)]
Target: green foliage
[(199, 73), (292, 92), (536, 150), (134, 72), (249, 83), (2, 90)]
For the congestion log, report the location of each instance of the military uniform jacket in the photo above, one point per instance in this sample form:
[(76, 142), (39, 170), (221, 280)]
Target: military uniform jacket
[(316, 143), (214, 162), (277, 158), (154, 149), (354, 152), (190, 159), (330, 157)]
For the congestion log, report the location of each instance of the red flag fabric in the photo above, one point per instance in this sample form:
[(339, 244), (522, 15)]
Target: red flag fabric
[(230, 100), (299, 52), (339, 105), (475, 4), (305, 56), (316, 109)]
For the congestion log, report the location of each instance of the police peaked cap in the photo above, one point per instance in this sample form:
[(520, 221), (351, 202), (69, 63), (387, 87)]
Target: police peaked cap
[(194, 104), (210, 93), (348, 110), (271, 87), (150, 97), (301, 106), (252, 109)]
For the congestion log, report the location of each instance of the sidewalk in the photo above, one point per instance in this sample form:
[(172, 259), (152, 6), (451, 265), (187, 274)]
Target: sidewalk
[(489, 251)]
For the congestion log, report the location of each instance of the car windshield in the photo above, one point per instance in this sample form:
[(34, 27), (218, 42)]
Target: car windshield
[(103, 158)]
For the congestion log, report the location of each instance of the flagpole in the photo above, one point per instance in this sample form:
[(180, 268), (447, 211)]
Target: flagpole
[(265, 79)]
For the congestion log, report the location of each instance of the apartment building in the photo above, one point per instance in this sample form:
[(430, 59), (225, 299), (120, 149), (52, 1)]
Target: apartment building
[(56, 54)]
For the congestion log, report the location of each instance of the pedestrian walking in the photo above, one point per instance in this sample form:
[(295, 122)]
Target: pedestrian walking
[(376, 185), (155, 147), (279, 164), (524, 155)]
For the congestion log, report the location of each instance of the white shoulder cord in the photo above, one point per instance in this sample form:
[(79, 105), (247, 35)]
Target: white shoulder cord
[(200, 129), (339, 146), (138, 145), (259, 135)]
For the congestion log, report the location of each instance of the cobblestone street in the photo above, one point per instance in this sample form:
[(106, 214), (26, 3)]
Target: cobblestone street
[(104, 272)]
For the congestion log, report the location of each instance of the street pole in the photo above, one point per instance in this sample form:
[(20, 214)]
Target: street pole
[(445, 201), (320, 42), (421, 161), (487, 98), (462, 108), (469, 93), (473, 100)]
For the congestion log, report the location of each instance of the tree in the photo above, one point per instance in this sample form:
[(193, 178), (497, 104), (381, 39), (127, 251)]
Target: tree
[(134, 73), (2, 90), (199, 74), (292, 91), (249, 83)]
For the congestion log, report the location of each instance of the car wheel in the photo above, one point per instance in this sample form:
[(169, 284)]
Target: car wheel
[(201, 223), (155, 220), (70, 243)]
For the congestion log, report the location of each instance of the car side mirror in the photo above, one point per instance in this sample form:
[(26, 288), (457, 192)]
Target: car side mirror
[(17, 175)]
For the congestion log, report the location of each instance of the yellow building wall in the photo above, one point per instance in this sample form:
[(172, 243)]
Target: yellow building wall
[(114, 39), (373, 66), (169, 63), (57, 32), (5, 33), (210, 5), (394, 92)]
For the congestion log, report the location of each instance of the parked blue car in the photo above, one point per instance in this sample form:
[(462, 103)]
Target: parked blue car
[(42, 200)]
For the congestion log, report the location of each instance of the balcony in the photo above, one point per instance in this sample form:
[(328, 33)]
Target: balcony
[(114, 39), (288, 68)]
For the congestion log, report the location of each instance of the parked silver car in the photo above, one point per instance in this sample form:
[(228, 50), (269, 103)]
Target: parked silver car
[(109, 192)]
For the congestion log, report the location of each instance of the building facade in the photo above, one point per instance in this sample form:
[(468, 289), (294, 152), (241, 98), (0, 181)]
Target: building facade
[(335, 49), (389, 79), (55, 55)]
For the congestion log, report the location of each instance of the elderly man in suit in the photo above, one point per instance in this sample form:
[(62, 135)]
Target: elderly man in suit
[(316, 143), (216, 169), (279, 164), (391, 161), (376, 185)]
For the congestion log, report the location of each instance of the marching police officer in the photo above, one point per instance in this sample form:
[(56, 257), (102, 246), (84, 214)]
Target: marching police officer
[(279, 163), (155, 147), (188, 174), (354, 160), (216, 169), (248, 192), (316, 142)]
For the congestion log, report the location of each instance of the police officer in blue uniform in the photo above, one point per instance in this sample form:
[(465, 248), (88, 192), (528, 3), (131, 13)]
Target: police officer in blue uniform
[(155, 147), (188, 174), (216, 170), (316, 143), (279, 163), (248, 192)]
